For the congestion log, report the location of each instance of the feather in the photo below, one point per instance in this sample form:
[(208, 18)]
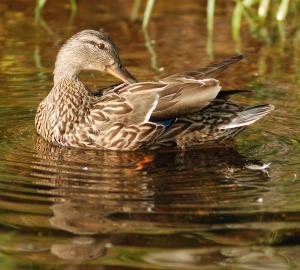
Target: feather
[(190, 97), (226, 94), (211, 71), (175, 98), (167, 122), (248, 116)]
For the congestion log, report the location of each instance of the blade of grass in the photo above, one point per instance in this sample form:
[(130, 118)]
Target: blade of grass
[(263, 8), (73, 7), (135, 9), (251, 19), (38, 7), (281, 32), (248, 3), (73, 4), (37, 57), (236, 21), (282, 10), (152, 52), (147, 13), (210, 11)]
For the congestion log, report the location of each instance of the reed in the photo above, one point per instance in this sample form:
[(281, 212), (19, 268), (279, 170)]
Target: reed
[(256, 13), (261, 16), (210, 10), (147, 13), (259, 10)]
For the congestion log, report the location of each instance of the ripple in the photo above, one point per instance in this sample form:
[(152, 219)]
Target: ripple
[(201, 209), (227, 258), (96, 192)]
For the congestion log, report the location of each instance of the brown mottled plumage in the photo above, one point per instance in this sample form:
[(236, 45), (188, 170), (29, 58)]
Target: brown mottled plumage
[(184, 109)]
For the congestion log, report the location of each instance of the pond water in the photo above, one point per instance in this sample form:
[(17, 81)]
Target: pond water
[(200, 209)]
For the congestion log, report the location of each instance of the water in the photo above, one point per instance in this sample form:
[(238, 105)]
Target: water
[(202, 209)]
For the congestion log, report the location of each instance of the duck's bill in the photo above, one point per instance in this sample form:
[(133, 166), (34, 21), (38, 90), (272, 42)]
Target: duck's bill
[(121, 73)]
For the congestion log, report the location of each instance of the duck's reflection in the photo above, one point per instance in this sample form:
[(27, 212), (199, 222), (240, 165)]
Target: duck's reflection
[(80, 249), (104, 193)]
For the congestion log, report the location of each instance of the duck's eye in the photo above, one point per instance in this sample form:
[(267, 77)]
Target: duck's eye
[(101, 46)]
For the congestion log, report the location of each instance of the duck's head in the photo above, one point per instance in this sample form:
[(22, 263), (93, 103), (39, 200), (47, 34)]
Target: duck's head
[(90, 50)]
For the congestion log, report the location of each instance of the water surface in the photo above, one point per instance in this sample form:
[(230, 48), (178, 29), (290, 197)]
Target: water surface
[(201, 209)]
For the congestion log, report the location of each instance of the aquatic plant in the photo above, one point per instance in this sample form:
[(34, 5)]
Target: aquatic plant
[(261, 16), (265, 19), (256, 13)]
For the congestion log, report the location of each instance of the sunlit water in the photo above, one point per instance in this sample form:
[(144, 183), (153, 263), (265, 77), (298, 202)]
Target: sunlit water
[(201, 209)]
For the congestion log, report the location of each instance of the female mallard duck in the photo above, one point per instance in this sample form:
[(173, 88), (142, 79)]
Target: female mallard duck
[(185, 109)]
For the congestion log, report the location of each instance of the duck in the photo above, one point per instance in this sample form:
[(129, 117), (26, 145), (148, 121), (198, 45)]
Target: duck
[(183, 110)]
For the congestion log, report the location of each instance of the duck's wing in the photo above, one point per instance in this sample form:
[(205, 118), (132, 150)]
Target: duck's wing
[(109, 89), (175, 98), (123, 120), (129, 107), (211, 71), (182, 98), (226, 94), (180, 93)]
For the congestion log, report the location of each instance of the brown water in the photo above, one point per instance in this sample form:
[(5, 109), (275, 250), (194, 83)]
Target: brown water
[(202, 209)]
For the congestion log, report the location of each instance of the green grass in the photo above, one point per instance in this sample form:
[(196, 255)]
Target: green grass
[(256, 13), (265, 19)]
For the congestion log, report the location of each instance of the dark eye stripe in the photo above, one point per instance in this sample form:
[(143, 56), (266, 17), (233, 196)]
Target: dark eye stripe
[(91, 42), (99, 45)]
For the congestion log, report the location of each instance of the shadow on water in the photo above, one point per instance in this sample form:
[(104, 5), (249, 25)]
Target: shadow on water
[(215, 208)]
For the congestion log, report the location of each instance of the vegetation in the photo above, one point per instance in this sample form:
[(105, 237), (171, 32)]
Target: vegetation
[(256, 13)]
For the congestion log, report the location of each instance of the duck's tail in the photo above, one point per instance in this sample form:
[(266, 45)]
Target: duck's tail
[(248, 116)]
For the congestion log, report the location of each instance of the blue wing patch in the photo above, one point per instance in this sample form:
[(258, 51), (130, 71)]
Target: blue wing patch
[(166, 122)]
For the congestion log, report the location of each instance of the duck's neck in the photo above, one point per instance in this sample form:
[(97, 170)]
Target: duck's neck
[(67, 81), (66, 87), (66, 71), (66, 74), (67, 65)]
